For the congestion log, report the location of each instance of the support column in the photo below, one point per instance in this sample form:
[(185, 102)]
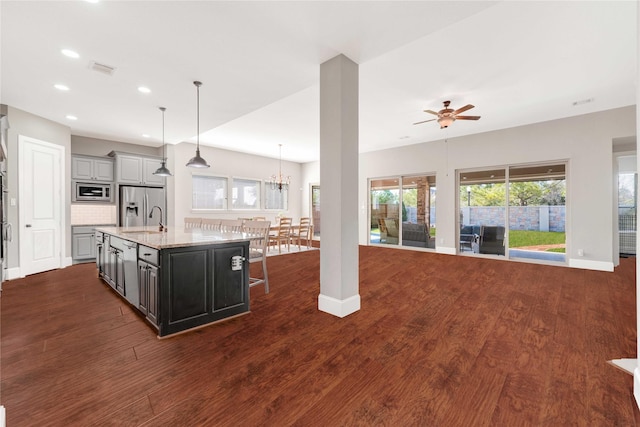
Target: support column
[(339, 183)]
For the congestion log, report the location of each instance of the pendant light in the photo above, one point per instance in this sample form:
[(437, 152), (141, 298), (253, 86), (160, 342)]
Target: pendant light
[(162, 170), (280, 182), (197, 161)]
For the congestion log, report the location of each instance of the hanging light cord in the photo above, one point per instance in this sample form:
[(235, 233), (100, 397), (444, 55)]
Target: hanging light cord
[(198, 118), (164, 155)]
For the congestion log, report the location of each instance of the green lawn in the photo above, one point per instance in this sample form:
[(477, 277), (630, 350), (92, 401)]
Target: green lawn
[(519, 238)]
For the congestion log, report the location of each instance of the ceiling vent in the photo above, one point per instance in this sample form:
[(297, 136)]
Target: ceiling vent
[(102, 68)]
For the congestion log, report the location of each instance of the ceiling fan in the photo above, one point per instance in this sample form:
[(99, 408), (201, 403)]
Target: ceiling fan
[(447, 115)]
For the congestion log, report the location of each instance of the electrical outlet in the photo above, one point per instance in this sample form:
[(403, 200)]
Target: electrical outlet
[(580, 252)]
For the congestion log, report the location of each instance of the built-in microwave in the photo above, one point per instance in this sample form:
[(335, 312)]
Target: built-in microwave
[(92, 192)]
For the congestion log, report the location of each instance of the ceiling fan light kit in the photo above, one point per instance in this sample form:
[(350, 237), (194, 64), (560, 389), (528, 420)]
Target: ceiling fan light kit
[(447, 115)]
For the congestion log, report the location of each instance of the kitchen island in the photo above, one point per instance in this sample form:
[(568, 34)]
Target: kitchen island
[(180, 279)]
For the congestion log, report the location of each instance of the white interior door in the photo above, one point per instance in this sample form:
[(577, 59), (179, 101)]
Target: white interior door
[(40, 196)]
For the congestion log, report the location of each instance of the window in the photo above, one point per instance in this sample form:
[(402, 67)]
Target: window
[(245, 194), (517, 211), (402, 211), (276, 199), (209, 192)]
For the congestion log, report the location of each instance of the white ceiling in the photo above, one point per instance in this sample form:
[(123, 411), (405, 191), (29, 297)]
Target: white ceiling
[(518, 62)]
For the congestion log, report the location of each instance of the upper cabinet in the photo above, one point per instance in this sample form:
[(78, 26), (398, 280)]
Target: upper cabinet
[(132, 169), (91, 169)]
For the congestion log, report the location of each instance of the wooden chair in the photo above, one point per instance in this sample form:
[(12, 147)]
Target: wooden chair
[(231, 225), (303, 231), (210, 224), (192, 222), (393, 233), (258, 249), (283, 234)]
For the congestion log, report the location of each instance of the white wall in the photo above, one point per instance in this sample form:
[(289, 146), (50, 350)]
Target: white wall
[(102, 147), (230, 164), (27, 124), (585, 141)]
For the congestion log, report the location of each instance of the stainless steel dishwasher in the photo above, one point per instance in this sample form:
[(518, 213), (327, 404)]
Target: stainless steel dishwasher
[(132, 293)]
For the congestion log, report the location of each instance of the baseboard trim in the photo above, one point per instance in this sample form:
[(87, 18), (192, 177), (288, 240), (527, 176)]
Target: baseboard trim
[(590, 265), (636, 385), (339, 308), (14, 273), (445, 250)]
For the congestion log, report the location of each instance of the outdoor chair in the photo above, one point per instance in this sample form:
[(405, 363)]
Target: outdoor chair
[(393, 234), (492, 239)]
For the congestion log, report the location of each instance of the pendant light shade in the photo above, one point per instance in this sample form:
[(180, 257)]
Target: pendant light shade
[(197, 161), (162, 170)]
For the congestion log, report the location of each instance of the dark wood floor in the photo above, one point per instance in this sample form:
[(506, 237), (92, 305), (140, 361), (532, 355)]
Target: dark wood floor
[(440, 341)]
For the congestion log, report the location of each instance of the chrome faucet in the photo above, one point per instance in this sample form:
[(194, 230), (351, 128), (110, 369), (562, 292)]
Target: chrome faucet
[(162, 227)]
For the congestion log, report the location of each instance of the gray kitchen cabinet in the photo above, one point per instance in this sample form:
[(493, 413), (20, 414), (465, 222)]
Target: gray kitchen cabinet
[(149, 166), (83, 243), (100, 251), (91, 169), (132, 169)]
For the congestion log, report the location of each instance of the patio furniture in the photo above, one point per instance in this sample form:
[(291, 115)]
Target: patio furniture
[(393, 234), (492, 239), (469, 237), (415, 235)]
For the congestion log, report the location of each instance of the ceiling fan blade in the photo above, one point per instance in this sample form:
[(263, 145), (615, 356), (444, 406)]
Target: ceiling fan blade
[(431, 112), (424, 121), (463, 109), (467, 117)]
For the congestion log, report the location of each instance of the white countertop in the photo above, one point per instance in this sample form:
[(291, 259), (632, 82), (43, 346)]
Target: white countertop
[(175, 237)]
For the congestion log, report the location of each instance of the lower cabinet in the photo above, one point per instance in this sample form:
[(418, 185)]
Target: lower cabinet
[(148, 286), (177, 288), (199, 285)]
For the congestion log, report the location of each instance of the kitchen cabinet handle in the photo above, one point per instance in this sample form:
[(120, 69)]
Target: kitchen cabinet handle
[(146, 254), (28, 225)]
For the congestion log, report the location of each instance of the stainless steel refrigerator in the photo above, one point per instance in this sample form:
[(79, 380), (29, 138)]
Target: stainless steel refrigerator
[(136, 203)]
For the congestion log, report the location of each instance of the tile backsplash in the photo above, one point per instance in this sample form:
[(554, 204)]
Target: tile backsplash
[(90, 214)]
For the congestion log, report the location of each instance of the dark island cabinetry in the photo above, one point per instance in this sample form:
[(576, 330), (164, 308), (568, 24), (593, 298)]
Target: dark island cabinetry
[(176, 286), (200, 285), (148, 276)]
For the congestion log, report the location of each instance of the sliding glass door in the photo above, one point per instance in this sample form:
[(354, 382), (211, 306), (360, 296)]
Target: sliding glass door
[(482, 216), (537, 196), (385, 211), (402, 211), (516, 211)]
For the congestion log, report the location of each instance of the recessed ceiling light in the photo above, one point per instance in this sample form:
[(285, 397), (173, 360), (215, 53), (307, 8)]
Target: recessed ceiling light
[(70, 53), (61, 87), (71, 117), (144, 135), (144, 89)]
